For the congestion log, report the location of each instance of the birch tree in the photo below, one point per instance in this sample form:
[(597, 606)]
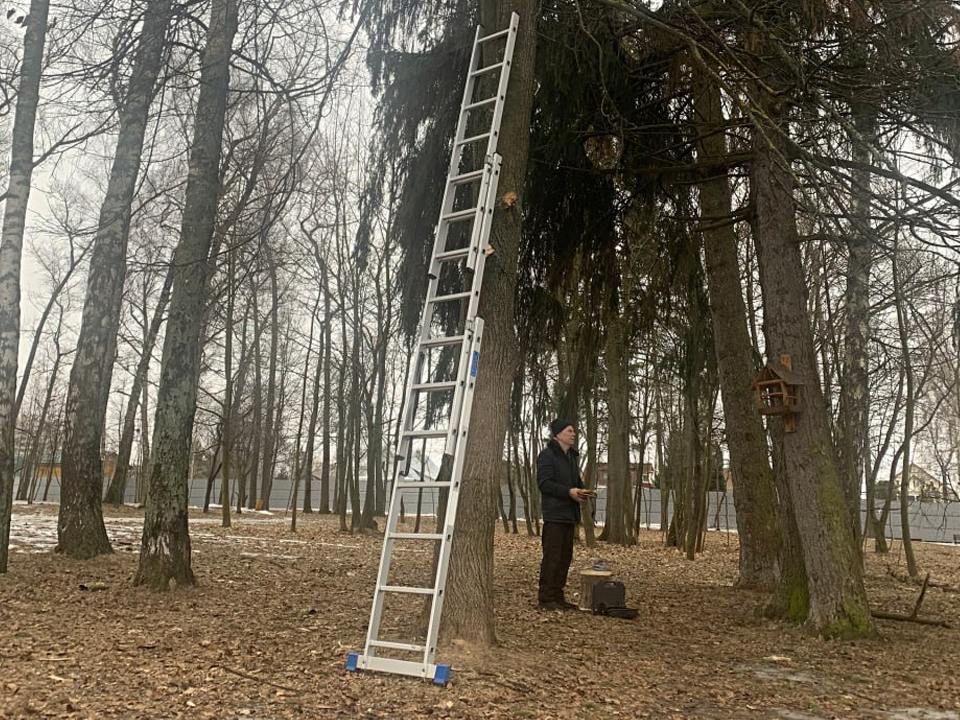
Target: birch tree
[(165, 547), (11, 251), (80, 529)]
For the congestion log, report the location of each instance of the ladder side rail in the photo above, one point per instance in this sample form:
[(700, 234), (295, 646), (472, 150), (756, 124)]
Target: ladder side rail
[(383, 573), (456, 404), (409, 408), (404, 458), (440, 245), (481, 230), (502, 85), (468, 89), (443, 564), (481, 233)]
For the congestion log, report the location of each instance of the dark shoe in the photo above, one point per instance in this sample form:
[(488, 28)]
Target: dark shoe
[(550, 605), (569, 605)]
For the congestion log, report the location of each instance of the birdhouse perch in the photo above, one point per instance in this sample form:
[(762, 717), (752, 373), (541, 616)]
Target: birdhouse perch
[(777, 390)]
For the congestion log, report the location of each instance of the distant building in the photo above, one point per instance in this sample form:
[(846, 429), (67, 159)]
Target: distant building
[(603, 473), (923, 486)]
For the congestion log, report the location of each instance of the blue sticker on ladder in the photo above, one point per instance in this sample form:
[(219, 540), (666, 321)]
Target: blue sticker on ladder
[(473, 365)]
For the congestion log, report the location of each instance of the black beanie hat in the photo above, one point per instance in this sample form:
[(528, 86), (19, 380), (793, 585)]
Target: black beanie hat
[(558, 426)]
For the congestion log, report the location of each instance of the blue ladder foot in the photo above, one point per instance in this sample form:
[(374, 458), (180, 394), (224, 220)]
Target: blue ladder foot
[(442, 676), (352, 659)]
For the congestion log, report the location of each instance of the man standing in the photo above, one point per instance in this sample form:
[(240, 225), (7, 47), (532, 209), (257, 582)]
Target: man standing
[(562, 492)]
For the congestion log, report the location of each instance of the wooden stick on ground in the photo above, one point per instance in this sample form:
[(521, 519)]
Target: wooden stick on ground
[(912, 617)]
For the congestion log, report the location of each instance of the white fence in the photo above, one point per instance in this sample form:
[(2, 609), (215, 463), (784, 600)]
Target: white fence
[(929, 521)]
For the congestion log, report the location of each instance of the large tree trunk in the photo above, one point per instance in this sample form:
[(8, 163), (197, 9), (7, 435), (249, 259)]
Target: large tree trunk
[(791, 595), (11, 253), (618, 527), (754, 493), (837, 599), (468, 607), (80, 530), (165, 550)]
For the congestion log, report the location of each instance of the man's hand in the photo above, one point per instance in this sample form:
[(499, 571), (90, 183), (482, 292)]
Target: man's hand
[(579, 494)]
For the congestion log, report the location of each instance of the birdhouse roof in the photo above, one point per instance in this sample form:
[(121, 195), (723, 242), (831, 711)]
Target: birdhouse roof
[(776, 369)]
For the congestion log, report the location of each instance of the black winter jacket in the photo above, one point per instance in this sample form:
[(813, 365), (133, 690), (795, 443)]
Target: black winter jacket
[(557, 472)]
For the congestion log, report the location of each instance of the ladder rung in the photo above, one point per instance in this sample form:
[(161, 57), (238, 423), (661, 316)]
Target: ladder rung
[(435, 386), (487, 69), (421, 484), (425, 433), (442, 340), (475, 138), (493, 36), (452, 255), (480, 103), (416, 536), (407, 589), (451, 297), (397, 645), (460, 215), (466, 177)]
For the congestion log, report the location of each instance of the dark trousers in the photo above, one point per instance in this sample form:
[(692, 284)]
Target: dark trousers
[(557, 541)]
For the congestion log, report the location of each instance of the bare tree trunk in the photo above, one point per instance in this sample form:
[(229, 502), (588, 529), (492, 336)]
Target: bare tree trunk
[(269, 434), (304, 466), (11, 253), (118, 484), (837, 598), (41, 323), (165, 550), (754, 493), (468, 608), (908, 422), (25, 491), (80, 530), (253, 469), (326, 358), (855, 388), (618, 527), (314, 407), (143, 472)]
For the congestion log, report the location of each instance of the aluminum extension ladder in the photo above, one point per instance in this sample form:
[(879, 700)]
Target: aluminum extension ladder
[(408, 598)]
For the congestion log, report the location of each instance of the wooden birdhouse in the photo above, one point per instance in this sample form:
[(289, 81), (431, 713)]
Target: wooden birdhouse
[(778, 391)]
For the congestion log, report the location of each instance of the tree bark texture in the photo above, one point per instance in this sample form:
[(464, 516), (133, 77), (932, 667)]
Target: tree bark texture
[(468, 607), (837, 599), (11, 252), (165, 549), (80, 530), (618, 527), (791, 596), (754, 493)]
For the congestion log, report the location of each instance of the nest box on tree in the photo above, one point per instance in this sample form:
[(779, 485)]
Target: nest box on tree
[(777, 390)]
